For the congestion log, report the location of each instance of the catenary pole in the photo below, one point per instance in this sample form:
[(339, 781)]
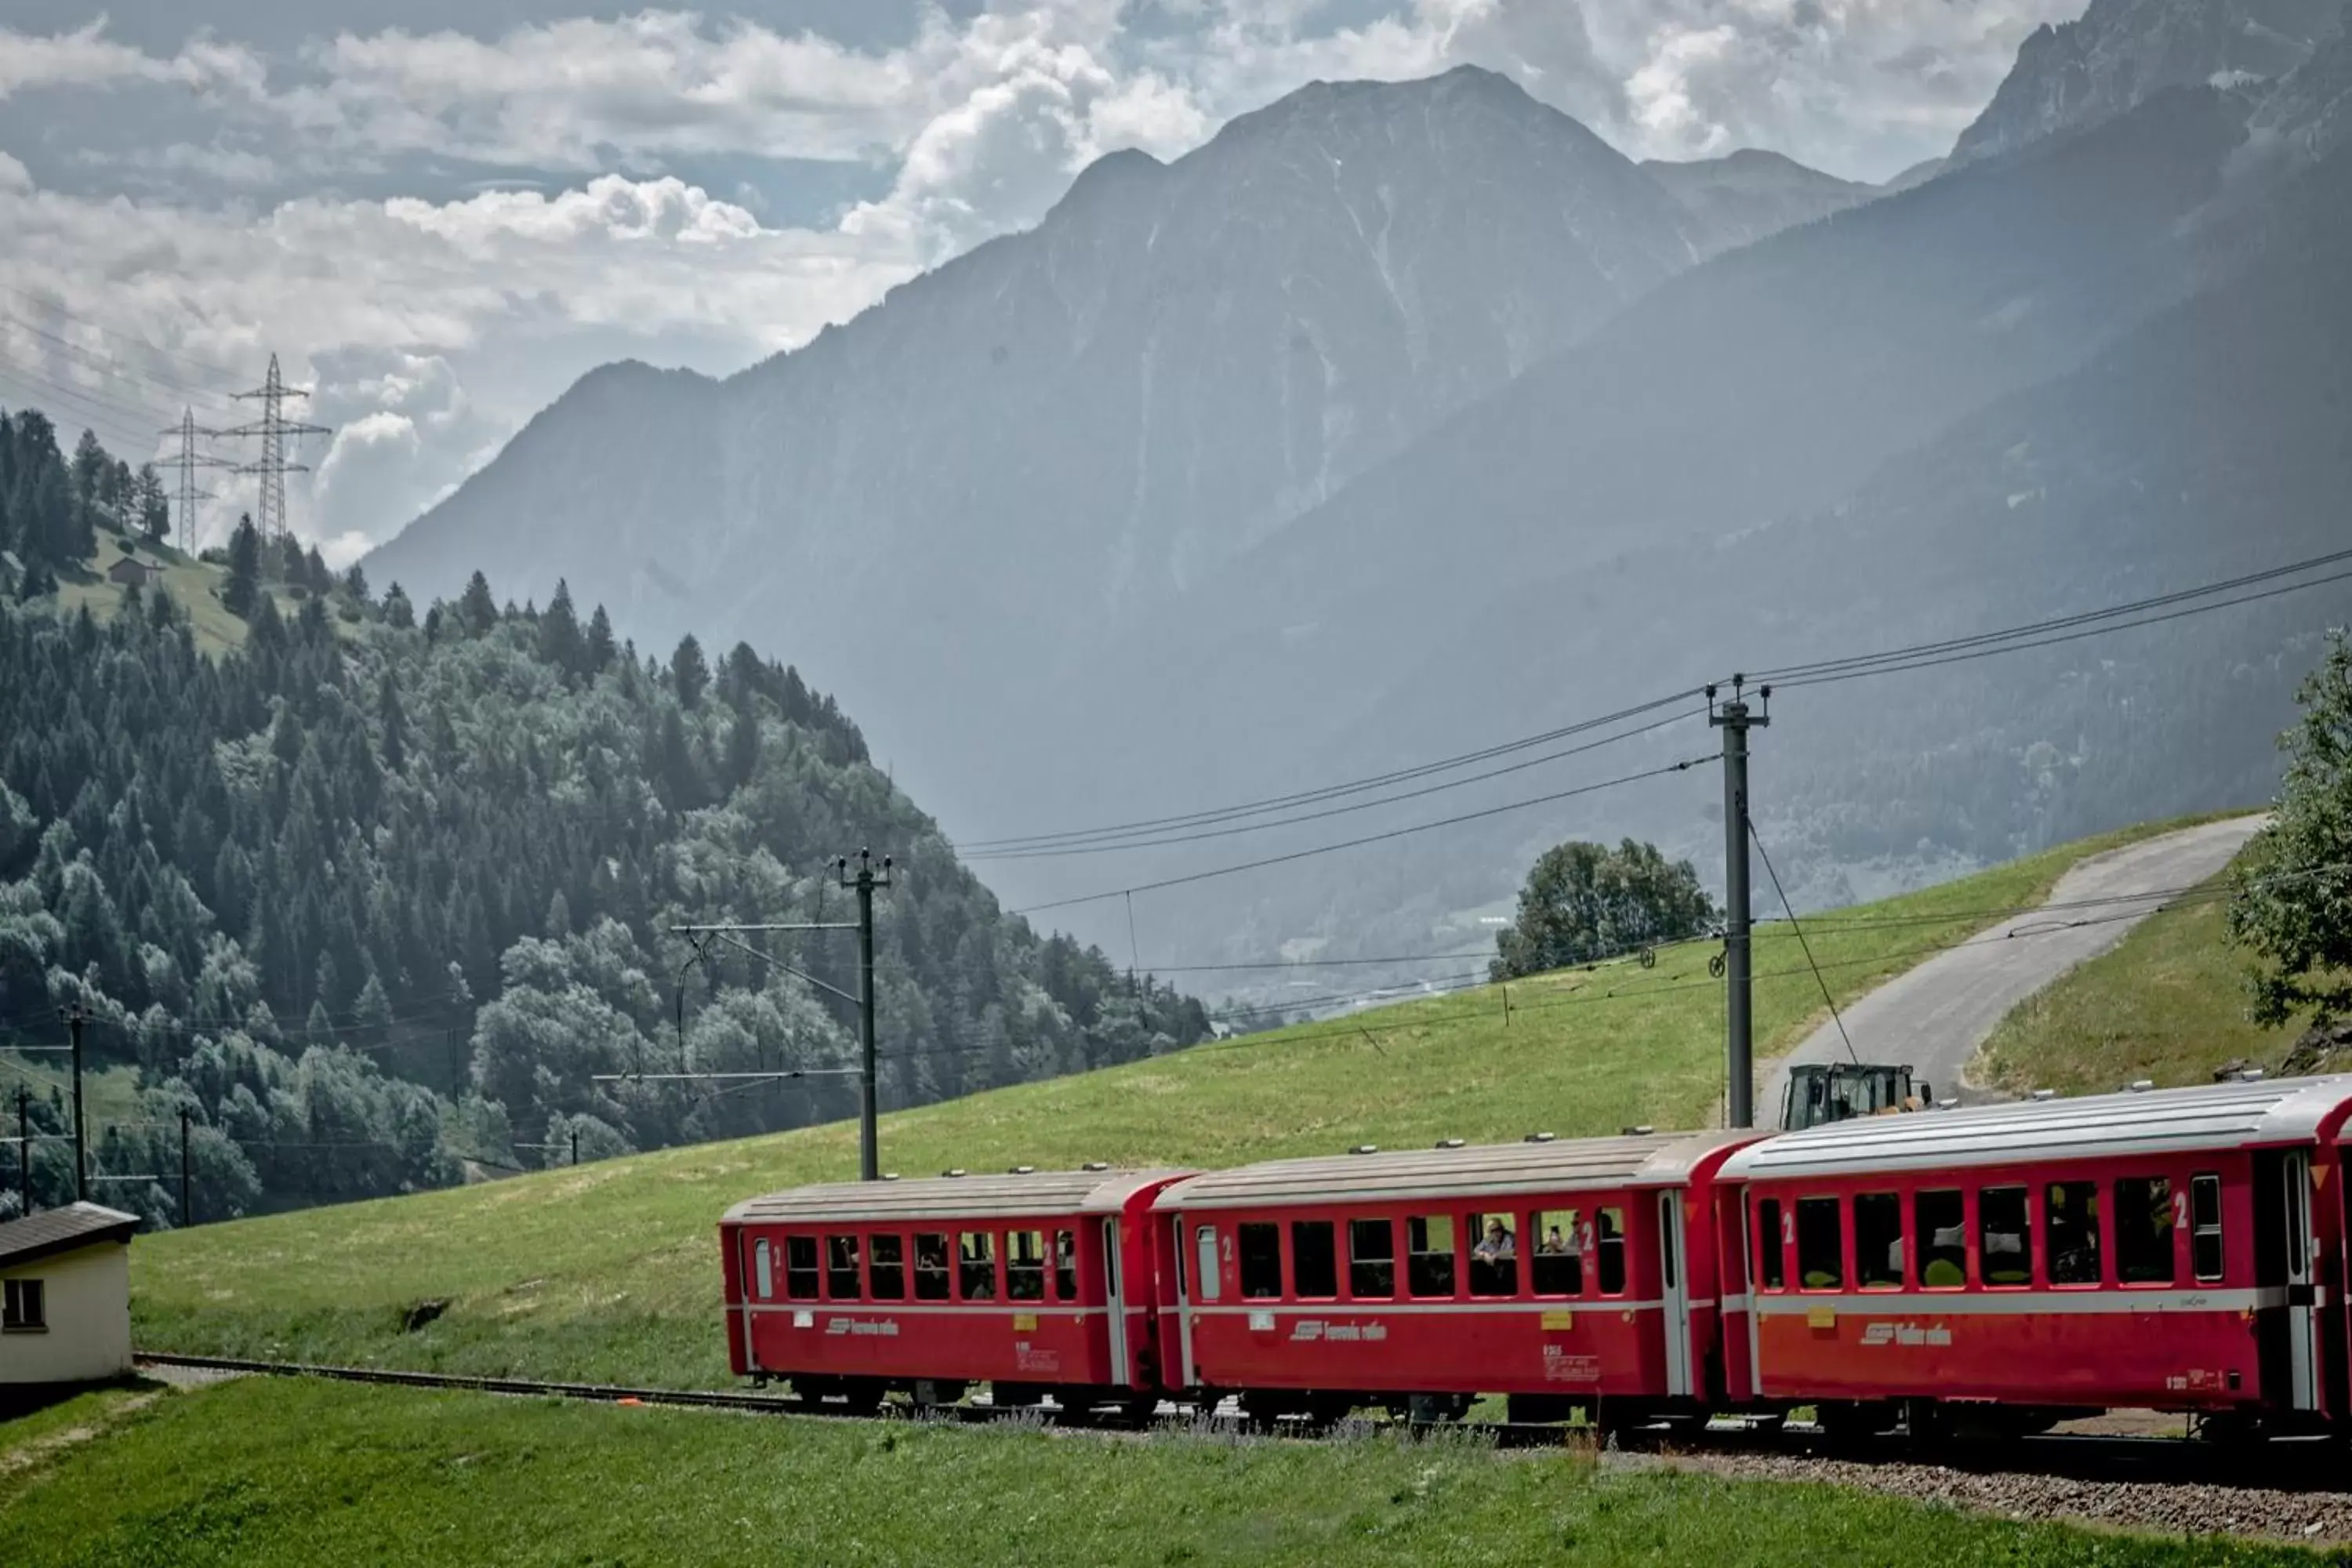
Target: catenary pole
[(1735, 718), (82, 1165), (865, 880), (187, 1214)]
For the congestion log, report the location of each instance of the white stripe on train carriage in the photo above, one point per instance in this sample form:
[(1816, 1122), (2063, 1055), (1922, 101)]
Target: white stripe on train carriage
[(928, 1310), (1423, 1309), (1737, 1301), (2089, 1301)]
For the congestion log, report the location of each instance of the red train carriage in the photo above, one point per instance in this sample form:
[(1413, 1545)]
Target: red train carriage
[(2009, 1264), (1022, 1281), (1563, 1274)]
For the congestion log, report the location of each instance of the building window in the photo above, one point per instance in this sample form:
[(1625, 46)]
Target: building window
[(1772, 1247), (2070, 1231), (763, 1269), (1557, 1266), (2205, 1225), (841, 1268), (1611, 1248), (931, 1266), (27, 1312), (1821, 1244), (2144, 1253), (1371, 1259), (1314, 1259), (885, 1268), (2004, 1247), (800, 1267), (1494, 1256), (1429, 1254), (1065, 1265), (1878, 1241), (976, 1264), (1943, 1247)]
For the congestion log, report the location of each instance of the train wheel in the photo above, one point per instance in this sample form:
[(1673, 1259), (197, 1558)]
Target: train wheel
[(1846, 1425), (936, 1394), (862, 1395)]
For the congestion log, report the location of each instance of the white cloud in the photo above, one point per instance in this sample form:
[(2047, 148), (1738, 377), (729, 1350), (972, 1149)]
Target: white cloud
[(88, 57)]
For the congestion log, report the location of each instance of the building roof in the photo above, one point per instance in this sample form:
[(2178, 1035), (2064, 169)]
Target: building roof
[(52, 1231), (2156, 1121), (1567, 1165), (1037, 1194), (129, 565)]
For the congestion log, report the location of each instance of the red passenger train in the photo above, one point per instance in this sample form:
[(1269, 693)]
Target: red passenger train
[(1996, 1269)]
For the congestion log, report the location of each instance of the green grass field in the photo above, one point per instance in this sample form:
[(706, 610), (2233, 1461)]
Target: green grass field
[(2168, 1003), (193, 585), (610, 1272), (262, 1472)]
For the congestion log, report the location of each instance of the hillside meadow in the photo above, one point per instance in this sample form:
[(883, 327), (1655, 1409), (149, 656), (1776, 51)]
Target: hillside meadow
[(608, 1272), (262, 1472)]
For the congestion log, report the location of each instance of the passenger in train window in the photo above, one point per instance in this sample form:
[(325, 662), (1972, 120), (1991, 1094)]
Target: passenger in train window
[(1493, 1267), (2070, 1230), (976, 1273), (932, 1271), (1557, 1268), (1065, 1265), (1612, 1251)]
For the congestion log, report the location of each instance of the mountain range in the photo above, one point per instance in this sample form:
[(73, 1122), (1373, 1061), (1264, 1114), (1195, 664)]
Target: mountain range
[(1399, 418)]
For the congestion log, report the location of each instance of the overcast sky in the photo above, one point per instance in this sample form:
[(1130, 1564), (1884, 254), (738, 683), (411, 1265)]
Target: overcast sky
[(439, 213)]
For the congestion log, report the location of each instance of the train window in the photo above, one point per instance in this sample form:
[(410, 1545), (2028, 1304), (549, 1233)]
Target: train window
[(2144, 1254), (931, 1266), (1878, 1241), (1494, 1256), (1065, 1265), (1314, 1259), (2070, 1231), (885, 1268), (1612, 1251), (1204, 1238), (800, 1267), (763, 1269), (1556, 1267), (2204, 1225), (2005, 1249), (1943, 1245), (1821, 1244), (1371, 1259), (1429, 1255), (1024, 1266), (1772, 1247), (976, 1264), (1260, 1244), (841, 1269)]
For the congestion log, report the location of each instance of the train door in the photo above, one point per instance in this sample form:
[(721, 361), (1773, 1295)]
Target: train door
[(1672, 1272), (2285, 1256), (1115, 1303)]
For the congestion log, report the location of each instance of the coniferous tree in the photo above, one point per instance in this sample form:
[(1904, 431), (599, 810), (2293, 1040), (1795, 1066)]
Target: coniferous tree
[(688, 674), (476, 610), (154, 507), (600, 651), (244, 585), (560, 642), (398, 612)]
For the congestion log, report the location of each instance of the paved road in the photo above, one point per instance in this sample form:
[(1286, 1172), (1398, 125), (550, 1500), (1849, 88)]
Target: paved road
[(1937, 1016)]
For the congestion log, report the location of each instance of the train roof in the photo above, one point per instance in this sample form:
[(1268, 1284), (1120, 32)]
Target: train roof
[(2269, 1112), (1481, 1170), (1038, 1193)]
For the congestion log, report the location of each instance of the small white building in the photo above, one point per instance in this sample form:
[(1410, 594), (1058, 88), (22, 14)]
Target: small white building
[(65, 1295)]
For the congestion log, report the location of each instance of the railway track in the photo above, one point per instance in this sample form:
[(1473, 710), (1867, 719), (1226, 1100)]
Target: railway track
[(2312, 1465)]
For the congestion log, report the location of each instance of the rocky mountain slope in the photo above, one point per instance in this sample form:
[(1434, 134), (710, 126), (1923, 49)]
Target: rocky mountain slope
[(2121, 52), (1749, 195)]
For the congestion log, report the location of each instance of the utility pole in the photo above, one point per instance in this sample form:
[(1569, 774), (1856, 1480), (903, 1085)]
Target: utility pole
[(870, 1154), (187, 1214), (24, 1145), (81, 1166), (273, 428), (575, 1145), (1733, 717), (187, 463)]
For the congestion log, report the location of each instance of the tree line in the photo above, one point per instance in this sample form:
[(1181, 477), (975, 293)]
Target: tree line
[(380, 894)]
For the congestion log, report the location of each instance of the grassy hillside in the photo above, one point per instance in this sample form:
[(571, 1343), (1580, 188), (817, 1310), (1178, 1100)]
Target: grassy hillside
[(263, 1472), (193, 584), (609, 1272), (2168, 1003)]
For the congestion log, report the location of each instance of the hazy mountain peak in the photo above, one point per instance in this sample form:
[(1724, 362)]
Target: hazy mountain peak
[(1744, 195), (2121, 52)]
